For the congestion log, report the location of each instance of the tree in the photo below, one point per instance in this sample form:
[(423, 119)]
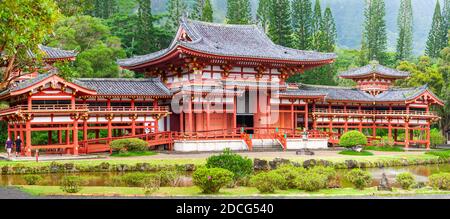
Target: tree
[(102, 8), (262, 14), (327, 35), (239, 12), (98, 50), (23, 26), (316, 21), (74, 7), (437, 38), (280, 29), (405, 29), (302, 23), (175, 8), (207, 14), (375, 37)]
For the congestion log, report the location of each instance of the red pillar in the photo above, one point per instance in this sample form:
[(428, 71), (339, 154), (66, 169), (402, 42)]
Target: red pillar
[(109, 128), (428, 134), (50, 136), (133, 127), (292, 116), (235, 113), (155, 105), (207, 117), (28, 138), (85, 130), (306, 116), (60, 135), (75, 137), (181, 120), (190, 116)]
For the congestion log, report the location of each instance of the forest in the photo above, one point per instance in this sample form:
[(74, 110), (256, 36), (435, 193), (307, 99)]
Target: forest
[(403, 34)]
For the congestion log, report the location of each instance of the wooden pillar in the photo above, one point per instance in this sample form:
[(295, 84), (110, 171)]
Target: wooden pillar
[(234, 113), (292, 116), (50, 136), (75, 137), (306, 116), (395, 135), (190, 116), (181, 120), (67, 136), (28, 138), (330, 122), (407, 132), (208, 119), (132, 103), (110, 127), (85, 130), (314, 117), (15, 131), (60, 135), (29, 102), (390, 128), (97, 134), (108, 103), (72, 101), (428, 134), (133, 126), (155, 105)]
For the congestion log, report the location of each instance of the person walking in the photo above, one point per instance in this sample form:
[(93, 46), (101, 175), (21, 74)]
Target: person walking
[(8, 147), (18, 146)]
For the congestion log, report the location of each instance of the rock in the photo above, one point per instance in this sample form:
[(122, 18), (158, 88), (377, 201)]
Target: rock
[(259, 164), (277, 162), (189, 167), (54, 167), (104, 166), (309, 163), (69, 167), (305, 152), (325, 163), (358, 148), (351, 164), (419, 185), (122, 167), (384, 184), (142, 167)]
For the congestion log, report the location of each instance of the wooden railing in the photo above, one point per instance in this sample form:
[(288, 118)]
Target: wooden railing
[(128, 109), (375, 112)]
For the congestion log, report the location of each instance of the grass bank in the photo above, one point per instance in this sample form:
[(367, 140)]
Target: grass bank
[(228, 192)]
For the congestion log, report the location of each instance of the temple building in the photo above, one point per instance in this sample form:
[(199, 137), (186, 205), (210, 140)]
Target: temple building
[(218, 86)]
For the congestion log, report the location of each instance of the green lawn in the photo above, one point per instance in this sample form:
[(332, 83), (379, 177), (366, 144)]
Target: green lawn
[(355, 153), (375, 148), (233, 192), (134, 154)]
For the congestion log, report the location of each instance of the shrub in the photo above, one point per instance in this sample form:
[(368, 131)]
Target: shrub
[(130, 144), (71, 184), (376, 143), (439, 181), (238, 165), (290, 175), (443, 154), (359, 178), (387, 142), (356, 153), (32, 179), (267, 182), (136, 179), (332, 178), (151, 183), (406, 180), (352, 139), (436, 137), (384, 148), (169, 177), (115, 181), (312, 181), (211, 180)]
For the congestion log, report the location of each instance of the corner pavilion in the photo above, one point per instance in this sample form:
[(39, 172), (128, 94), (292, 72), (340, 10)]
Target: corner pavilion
[(217, 86)]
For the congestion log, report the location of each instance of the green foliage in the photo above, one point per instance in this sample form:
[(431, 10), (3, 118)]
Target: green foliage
[(263, 14), (238, 165), (406, 180), (302, 23), (151, 183), (267, 182), (330, 174), (375, 37), (437, 38), (238, 12), (405, 28), (124, 153), (356, 153), (169, 177), (290, 175), (211, 180), (352, 139), (387, 142), (312, 181), (130, 144), (436, 137), (359, 178), (202, 11), (138, 179), (115, 181), (384, 148), (71, 184), (24, 24), (32, 179), (175, 9), (439, 181), (280, 30)]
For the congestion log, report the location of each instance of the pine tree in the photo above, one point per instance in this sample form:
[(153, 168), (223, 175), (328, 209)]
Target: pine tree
[(302, 23), (405, 27), (197, 10), (207, 14), (175, 8), (375, 30), (437, 36), (280, 29), (262, 14), (145, 26), (327, 36), (317, 17), (446, 17), (239, 12)]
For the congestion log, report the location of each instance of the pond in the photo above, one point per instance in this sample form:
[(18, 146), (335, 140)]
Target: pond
[(421, 174)]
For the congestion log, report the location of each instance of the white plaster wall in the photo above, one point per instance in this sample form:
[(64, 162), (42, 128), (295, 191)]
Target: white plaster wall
[(213, 145), (295, 144)]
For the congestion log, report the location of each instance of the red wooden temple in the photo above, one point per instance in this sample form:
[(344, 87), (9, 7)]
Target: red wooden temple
[(217, 86)]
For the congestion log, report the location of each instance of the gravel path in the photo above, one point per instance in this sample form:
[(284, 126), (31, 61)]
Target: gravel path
[(13, 193)]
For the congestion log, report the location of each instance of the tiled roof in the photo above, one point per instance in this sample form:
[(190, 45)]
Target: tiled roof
[(125, 86), (353, 94), (374, 68), (252, 83), (26, 83), (54, 53), (241, 41)]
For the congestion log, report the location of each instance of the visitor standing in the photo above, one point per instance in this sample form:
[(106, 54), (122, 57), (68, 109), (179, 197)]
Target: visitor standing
[(18, 146), (8, 147)]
